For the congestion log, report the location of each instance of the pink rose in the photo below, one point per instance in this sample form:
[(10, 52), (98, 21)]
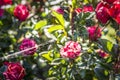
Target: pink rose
[(5, 2), (94, 33), (71, 50), (102, 54), (1, 12), (78, 10), (14, 71), (21, 12), (109, 1), (88, 8), (102, 12), (114, 11), (26, 44)]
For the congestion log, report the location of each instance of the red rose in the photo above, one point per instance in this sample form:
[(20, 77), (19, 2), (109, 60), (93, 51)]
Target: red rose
[(21, 12), (14, 71), (94, 33), (88, 8), (114, 11), (71, 50), (5, 2), (110, 1), (1, 12), (102, 54), (78, 10), (102, 12), (26, 44)]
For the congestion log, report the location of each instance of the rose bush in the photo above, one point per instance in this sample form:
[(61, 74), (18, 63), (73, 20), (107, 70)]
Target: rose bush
[(59, 40)]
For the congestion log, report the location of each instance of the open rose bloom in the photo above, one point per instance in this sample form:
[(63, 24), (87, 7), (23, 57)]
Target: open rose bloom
[(21, 12), (114, 11), (26, 44), (71, 50), (14, 71), (102, 12)]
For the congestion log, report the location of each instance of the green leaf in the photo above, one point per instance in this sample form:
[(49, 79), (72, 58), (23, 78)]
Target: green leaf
[(74, 2), (58, 61), (40, 24), (46, 55), (1, 23), (59, 17), (107, 46), (83, 73), (55, 27), (100, 73)]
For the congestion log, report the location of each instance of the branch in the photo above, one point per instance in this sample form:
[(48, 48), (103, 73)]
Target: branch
[(20, 52)]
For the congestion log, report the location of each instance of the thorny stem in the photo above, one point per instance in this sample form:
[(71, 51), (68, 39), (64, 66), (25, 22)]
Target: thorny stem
[(20, 52)]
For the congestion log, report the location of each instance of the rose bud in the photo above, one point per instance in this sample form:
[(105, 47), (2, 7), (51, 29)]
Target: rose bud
[(102, 12), (71, 50), (14, 71), (114, 11), (88, 8), (102, 54), (78, 10), (94, 33), (5, 2), (58, 10), (26, 44), (21, 12), (1, 12), (109, 1)]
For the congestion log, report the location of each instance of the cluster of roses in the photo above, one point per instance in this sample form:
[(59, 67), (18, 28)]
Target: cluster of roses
[(20, 11), (107, 9), (71, 49)]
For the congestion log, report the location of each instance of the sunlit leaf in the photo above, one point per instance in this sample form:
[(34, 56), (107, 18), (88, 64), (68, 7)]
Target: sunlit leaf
[(40, 24), (58, 61), (47, 56), (55, 27), (59, 17)]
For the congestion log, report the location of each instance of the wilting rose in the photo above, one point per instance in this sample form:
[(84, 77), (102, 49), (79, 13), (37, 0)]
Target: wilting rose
[(102, 12), (88, 8), (102, 54), (94, 33), (70, 50), (1, 12), (78, 10), (14, 71), (21, 12), (109, 1), (26, 44), (5, 2), (114, 11)]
